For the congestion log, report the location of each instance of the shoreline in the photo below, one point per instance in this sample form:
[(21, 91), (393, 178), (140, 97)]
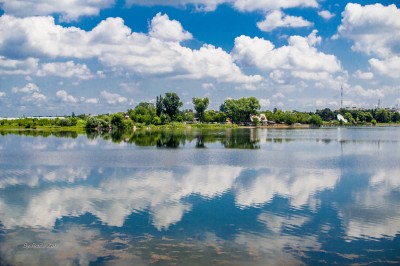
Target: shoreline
[(201, 126)]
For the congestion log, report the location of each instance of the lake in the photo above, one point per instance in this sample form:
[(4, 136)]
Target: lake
[(201, 197)]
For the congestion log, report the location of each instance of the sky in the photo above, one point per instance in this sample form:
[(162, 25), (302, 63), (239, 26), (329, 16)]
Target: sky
[(105, 56)]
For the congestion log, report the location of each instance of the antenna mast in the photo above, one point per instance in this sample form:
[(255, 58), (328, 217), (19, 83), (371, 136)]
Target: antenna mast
[(341, 96)]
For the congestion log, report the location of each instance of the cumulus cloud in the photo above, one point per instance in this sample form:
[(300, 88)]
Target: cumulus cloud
[(92, 100), (30, 94), (35, 98), (2, 94), (169, 30), (113, 98), (69, 10), (300, 57), (374, 29), (363, 75), (388, 67), (277, 19), (252, 5), (278, 95), (200, 5), (241, 5), (368, 93), (115, 45), (18, 67), (325, 14), (68, 69), (208, 86), (63, 96), (277, 76), (265, 103)]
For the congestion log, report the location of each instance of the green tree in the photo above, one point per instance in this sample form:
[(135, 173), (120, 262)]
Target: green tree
[(382, 116), (143, 113), (349, 117), (188, 116), (396, 117), (171, 104), (326, 114), (159, 105), (117, 120), (279, 116), (92, 123), (315, 120), (156, 121), (200, 105), (240, 110), (290, 118)]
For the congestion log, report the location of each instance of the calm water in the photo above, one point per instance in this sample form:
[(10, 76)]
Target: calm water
[(230, 197)]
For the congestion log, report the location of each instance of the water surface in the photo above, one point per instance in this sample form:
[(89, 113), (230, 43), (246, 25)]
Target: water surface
[(229, 197)]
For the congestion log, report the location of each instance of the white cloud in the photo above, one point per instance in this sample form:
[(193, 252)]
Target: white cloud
[(325, 14), (368, 93), (63, 96), (277, 76), (68, 69), (30, 94), (388, 67), (69, 10), (247, 87), (18, 67), (28, 88), (92, 100), (113, 98), (35, 98), (277, 19), (363, 75), (115, 45), (2, 94), (375, 29), (300, 57), (241, 5), (168, 30), (208, 86), (252, 5), (200, 5), (265, 103), (278, 95)]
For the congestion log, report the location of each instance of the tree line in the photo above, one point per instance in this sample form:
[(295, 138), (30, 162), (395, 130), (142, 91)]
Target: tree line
[(167, 110)]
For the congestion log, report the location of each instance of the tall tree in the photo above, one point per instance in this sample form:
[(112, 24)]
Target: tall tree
[(240, 110), (200, 105), (171, 104), (159, 105)]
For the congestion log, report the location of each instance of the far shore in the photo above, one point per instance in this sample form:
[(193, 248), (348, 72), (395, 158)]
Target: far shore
[(201, 126)]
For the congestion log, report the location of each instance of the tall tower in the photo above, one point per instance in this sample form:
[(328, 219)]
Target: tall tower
[(379, 103), (341, 96)]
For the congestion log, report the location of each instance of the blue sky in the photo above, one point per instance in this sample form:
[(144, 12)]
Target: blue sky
[(59, 56)]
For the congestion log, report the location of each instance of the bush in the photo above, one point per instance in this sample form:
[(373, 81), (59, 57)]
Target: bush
[(316, 120), (156, 121)]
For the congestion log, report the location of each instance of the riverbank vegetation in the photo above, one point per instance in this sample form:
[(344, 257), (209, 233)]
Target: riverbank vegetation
[(166, 113)]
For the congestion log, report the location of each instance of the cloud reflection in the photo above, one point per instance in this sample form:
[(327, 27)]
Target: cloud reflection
[(373, 213), (118, 192)]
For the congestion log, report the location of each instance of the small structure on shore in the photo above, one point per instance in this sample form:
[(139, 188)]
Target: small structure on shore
[(261, 118), (341, 118)]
